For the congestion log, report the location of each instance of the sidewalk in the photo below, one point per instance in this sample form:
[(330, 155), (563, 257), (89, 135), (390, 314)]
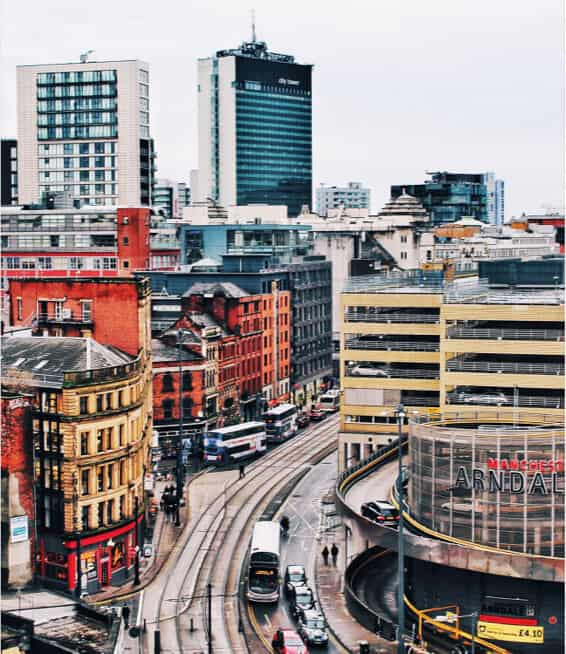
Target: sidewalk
[(165, 536), (329, 582)]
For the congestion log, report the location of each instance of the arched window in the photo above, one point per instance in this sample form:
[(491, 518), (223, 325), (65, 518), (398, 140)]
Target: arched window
[(187, 381), (167, 406), (167, 382), (187, 405)]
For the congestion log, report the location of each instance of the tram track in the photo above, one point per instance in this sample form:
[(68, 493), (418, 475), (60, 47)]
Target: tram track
[(219, 535)]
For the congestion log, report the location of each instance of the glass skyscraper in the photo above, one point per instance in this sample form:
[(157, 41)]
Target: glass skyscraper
[(255, 128)]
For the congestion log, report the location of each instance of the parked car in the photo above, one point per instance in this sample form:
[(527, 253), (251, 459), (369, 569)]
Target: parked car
[(300, 599), (295, 576), (368, 370), (288, 641), (312, 628), (303, 420), (317, 414), (491, 399), (381, 512)]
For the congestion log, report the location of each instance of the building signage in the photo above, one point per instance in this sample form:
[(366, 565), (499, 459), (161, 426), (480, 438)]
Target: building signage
[(511, 632), (19, 529), (148, 481), (516, 476), (289, 82)]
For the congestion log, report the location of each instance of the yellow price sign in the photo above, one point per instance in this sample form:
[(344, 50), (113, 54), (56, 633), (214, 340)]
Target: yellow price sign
[(511, 632)]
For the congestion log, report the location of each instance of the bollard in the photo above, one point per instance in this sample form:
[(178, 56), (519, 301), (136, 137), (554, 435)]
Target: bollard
[(157, 642), (192, 627), (240, 625), (364, 647), (144, 625)]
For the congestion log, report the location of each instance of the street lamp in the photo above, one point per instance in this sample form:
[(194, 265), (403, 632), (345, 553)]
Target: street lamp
[(400, 415), (137, 566), (180, 440)]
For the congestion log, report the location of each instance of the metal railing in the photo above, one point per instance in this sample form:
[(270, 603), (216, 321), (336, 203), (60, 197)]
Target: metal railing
[(506, 334), (70, 316), (540, 401), (356, 316), (396, 373), (58, 228), (409, 400), (381, 344), (505, 367), (99, 375)]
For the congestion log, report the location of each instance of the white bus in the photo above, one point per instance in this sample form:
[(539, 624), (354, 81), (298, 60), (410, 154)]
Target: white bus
[(235, 443), (281, 422), (263, 570), (330, 401)]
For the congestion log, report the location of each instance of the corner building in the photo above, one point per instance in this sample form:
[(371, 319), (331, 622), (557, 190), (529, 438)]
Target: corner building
[(255, 128), (83, 129)]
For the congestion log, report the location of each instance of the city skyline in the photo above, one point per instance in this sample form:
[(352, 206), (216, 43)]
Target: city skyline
[(495, 108)]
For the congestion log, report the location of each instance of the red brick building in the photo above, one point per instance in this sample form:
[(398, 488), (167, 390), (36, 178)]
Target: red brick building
[(18, 513), (168, 374), (259, 356), (113, 311)]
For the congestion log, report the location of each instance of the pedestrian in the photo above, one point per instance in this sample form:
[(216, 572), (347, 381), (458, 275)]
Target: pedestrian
[(325, 554), (242, 471), (126, 615), (334, 552)]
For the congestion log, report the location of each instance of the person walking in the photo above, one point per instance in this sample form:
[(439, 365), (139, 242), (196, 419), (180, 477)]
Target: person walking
[(126, 615), (325, 554), (242, 471), (334, 552)]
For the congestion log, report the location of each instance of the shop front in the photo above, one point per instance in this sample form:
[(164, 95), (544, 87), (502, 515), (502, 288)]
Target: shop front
[(106, 559)]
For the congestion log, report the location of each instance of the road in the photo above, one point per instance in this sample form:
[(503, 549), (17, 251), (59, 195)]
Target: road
[(303, 507), (212, 546)]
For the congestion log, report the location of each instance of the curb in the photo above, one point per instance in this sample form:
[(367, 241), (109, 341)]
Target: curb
[(154, 568)]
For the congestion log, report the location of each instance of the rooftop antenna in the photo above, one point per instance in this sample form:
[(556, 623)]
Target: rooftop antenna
[(84, 56), (253, 26)]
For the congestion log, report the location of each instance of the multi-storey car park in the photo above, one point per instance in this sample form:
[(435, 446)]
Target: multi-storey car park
[(484, 513)]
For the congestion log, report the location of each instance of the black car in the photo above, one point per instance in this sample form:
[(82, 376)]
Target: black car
[(295, 576), (301, 599), (303, 420), (381, 512)]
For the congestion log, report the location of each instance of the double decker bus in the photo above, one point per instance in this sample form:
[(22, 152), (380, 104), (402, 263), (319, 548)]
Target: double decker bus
[(281, 422), (330, 401), (263, 570), (235, 443)]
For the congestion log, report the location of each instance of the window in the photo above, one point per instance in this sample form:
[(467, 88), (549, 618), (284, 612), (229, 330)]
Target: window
[(187, 405), (85, 481), (84, 442), (167, 406), (100, 440), (83, 404), (122, 507), (83, 162), (110, 511), (108, 401), (121, 434), (85, 517), (126, 264), (86, 310), (125, 240), (187, 381), (19, 308), (110, 475), (99, 403), (167, 383), (101, 514), (122, 473), (100, 479), (99, 148)]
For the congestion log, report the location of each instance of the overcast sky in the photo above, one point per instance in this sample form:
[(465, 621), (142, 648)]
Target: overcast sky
[(399, 86)]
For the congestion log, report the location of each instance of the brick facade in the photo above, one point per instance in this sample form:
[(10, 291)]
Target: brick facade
[(17, 485)]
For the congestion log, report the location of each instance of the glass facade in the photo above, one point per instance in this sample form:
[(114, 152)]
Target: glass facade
[(273, 133), (77, 104), (448, 197)]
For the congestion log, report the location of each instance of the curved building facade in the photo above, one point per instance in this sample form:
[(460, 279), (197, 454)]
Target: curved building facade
[(495, 484)]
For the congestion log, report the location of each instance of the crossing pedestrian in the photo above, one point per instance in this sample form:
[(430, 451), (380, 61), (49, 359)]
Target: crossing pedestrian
[(242, 471), (325, 553), (334, 552)]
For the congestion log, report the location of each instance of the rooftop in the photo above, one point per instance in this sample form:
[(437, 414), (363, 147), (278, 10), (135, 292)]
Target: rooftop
[(228, 289), (162, 352), (204, 320), (44, 360)]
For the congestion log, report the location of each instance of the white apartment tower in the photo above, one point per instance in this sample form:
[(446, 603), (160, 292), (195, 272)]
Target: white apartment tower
[(83, 130), (353, 196)]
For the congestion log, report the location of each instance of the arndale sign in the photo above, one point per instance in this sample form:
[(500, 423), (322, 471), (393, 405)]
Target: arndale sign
[(517, 476)]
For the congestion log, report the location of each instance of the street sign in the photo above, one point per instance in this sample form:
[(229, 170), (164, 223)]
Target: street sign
[(19, 529), (511, 632)]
